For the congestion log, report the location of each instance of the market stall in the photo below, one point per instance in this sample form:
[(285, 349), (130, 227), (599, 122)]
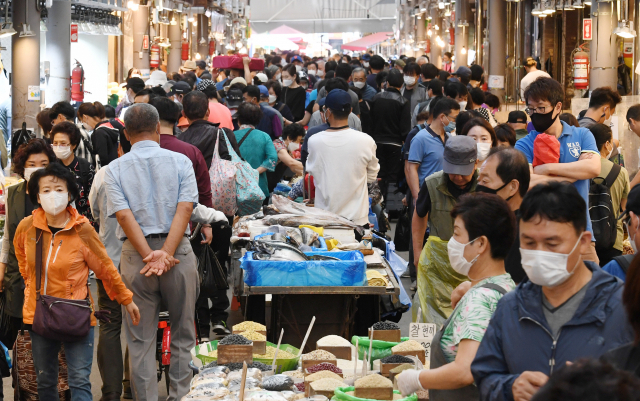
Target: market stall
[(315, 289)]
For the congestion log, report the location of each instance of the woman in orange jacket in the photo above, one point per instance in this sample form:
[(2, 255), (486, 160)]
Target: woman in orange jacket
[(70, 248)]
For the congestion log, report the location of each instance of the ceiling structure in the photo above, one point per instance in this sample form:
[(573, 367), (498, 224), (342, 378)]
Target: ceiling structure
[(323, 16)]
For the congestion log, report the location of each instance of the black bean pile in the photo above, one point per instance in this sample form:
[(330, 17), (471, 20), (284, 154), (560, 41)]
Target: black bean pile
[(233, 366), (209, 365), (385, 326), (234, 339), (259, 365), (396, 359), (277, 383)]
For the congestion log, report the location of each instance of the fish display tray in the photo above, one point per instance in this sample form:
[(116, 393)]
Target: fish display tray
[(349, 271), (323, 243)]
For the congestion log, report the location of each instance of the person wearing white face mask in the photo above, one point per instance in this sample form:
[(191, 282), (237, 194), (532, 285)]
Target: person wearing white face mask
[(104, 137), (568, 310), (293, 95), (602, 106), (56, 248), (35, 155), (483, 230), (359, 80), (411, 91), (292, 137), (485, 137), (65, 137)]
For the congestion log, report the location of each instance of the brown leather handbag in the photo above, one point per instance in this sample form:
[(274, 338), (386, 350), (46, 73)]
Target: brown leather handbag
[(60, 319)]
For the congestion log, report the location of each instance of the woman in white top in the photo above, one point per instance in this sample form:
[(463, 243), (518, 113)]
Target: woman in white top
[(533, 73)]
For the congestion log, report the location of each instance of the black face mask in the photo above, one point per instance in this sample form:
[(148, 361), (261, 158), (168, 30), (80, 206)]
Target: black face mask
[(542, 122), (487, 190)]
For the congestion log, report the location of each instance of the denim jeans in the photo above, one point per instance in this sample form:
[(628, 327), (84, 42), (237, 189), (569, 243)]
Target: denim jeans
[(79, 356)]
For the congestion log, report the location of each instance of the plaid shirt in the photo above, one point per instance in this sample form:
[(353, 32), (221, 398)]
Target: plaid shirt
[(81, 150)]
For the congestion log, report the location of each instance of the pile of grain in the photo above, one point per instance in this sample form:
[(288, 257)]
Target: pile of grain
[(333, 341), (319, 355), (249, 326), (296, 374), (409, 345), (323, 374), (327, 384), (253, 336), (271, 351), (373, 381)]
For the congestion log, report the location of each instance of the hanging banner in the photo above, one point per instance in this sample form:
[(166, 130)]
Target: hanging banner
[(587, 32), (73, 33)]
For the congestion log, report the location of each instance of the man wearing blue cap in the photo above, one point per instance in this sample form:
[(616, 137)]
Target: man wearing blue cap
[(342, 161)]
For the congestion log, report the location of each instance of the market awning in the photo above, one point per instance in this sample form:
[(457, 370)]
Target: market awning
[(366, 42), (323, 16), (285, 30)]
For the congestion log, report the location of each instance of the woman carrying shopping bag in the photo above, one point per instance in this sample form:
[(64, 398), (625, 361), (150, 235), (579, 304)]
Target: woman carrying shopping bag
[(55, 248)]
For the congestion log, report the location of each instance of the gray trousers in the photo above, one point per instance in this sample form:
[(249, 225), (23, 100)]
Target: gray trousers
[(109, 346), (178, 289)]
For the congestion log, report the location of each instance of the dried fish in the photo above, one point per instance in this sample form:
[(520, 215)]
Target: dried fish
[(293, 220), (295, 236), (322, 257), (285, 206), (276, 251), (308, 235)]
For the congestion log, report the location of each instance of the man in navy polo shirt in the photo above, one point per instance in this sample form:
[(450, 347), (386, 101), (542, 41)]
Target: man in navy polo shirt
[(579, 156)]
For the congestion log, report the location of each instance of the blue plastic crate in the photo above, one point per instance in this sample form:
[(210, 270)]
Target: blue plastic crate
[(349, 271)]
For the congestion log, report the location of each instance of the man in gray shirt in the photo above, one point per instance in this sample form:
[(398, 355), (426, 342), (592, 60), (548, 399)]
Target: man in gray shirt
[(602, 106)]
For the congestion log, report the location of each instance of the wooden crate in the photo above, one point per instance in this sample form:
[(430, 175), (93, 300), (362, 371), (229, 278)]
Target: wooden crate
[(374, 393), (339, 352), (328, 394), (263, 332), (235, 353), (386, 335), (386, 367), (306, 363), (419, 354), (259, 347)]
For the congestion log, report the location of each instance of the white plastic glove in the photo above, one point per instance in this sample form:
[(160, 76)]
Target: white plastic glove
[(218, 216), (409, 382)]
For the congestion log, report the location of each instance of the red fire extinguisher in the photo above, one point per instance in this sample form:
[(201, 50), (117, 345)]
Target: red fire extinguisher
[(452, 36), (77, 83), (166, 346), (581, 70), (185, 50), (427, 46), (154, 56), (212, 47)]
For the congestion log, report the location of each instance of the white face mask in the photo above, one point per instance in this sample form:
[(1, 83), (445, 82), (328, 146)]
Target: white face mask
[(87, 127), (287, 82), (365, 64), (632, 240), (278, 76), (455, 250), (610, 153), (483, 150), (293, 146), (463, 106), (311, 72), (320, 73), (547, 269), (28, 171), (54, 203), (62, 152), (409, 81), (298, 68), (359, 85), (273, 98)]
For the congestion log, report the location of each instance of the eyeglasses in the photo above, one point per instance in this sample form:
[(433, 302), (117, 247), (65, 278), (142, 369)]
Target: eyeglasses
[(539, 110)]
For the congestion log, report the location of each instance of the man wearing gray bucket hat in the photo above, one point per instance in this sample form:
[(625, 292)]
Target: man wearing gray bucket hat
[(438, 195)]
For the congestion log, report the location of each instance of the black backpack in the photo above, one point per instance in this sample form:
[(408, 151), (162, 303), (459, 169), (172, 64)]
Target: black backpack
[(624, 261), (602, 212)]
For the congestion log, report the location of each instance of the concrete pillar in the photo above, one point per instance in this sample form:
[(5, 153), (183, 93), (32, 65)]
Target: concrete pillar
[(203, 32), (478, 34), (58, 52), (140, 28), (462, 33), (421, 35), (603, 50), (25, 74), (436, 50), (175, 37), (497, 42)]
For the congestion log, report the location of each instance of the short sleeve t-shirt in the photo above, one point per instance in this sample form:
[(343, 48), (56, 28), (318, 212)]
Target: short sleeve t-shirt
[(573, 142), (470, 319), (427, 150), (619, 191)]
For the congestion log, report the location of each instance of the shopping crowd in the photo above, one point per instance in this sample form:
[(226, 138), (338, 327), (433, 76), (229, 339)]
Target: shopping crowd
[(517, 229)]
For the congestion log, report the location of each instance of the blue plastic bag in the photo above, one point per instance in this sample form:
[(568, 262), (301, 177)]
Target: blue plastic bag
[(398, 265), (349, 271)]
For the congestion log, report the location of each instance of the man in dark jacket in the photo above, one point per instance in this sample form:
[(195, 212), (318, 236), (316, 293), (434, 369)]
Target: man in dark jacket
[(570, 308), (201, 133), (391, 121)]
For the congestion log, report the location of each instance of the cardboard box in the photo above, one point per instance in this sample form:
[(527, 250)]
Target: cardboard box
[(235, 353), (259, 347), (374, 393), (386, 335), (340, 352)]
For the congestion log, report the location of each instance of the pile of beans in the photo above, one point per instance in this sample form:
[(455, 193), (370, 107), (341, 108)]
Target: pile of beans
[(385, 326), (319, 355), (300, 386), (324, 366), (234, 339), (396, 359)]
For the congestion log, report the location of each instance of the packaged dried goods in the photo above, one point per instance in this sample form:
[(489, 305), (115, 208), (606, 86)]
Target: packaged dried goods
[(251, 373), (250, 384), (264, 396), (216, 371), (277, 383), (212, 382), (319, 355), (373, 381)]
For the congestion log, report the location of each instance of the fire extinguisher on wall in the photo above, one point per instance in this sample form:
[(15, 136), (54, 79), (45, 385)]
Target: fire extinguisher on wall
[(452, 36), (77, 83), (581, 69), (185, 50), (212, 47), (427, 45), (154, 58)]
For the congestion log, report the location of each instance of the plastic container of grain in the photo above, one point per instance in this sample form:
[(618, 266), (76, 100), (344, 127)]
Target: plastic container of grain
[(201, 352)]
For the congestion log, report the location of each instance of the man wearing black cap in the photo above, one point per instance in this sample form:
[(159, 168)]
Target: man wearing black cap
[(342, 161), (631, 218), (201, 70), (438, 195), (518, 121), (178, 91), (134, 85)]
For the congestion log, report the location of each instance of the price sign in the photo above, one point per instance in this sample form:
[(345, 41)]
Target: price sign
[(423, 333)]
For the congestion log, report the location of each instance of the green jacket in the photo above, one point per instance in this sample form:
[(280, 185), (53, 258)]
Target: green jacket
[(13, 283), (442, 202)]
